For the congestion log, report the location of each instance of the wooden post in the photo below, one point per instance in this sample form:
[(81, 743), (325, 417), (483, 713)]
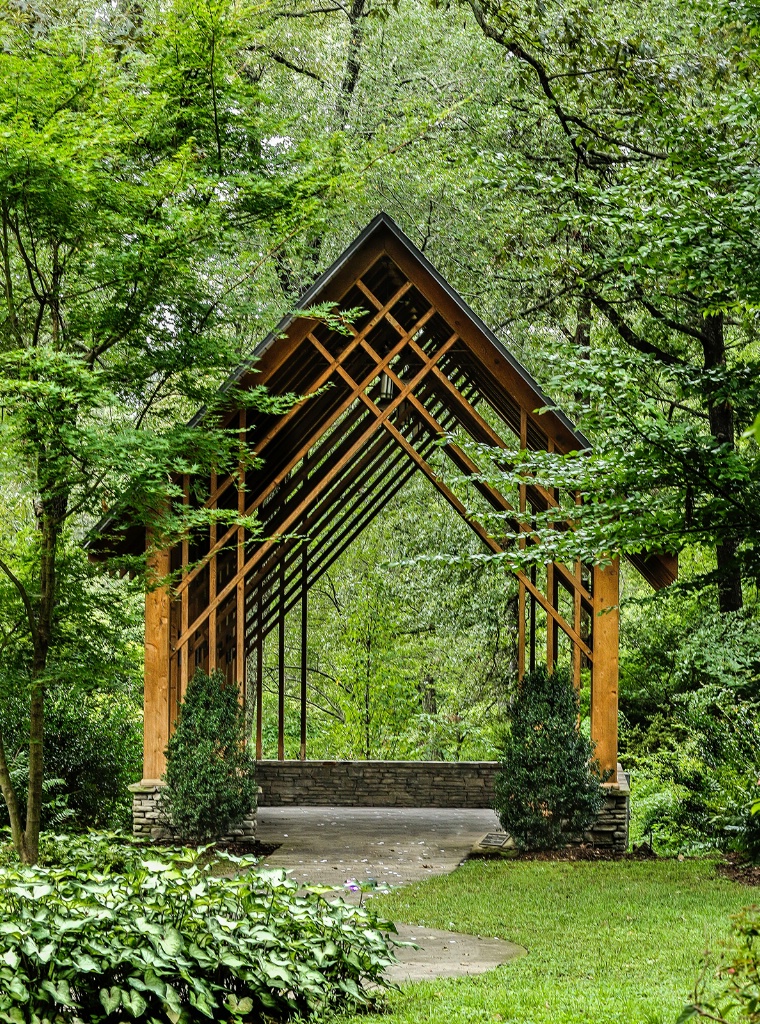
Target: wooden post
[(156, 712), (259, 677), (281, 668), (604, 671), (304, 644)]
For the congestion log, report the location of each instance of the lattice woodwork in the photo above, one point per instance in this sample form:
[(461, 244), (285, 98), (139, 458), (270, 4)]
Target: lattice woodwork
[(380, 403)]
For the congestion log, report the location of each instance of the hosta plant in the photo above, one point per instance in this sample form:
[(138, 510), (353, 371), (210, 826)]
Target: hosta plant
[(168, 939)]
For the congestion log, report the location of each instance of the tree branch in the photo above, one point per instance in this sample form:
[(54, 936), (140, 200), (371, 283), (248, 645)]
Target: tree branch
[(289, 64), (674, 325), (629, 335), (588, 157), (24, 598)]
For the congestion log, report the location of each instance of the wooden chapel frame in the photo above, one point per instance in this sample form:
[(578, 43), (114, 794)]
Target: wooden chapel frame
[(417, 370)]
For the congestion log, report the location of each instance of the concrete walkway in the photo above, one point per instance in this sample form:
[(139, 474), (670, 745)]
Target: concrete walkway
[(393, 846), (389, 846)]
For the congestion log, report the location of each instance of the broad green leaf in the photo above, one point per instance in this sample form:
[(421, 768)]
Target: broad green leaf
[(111, 998)]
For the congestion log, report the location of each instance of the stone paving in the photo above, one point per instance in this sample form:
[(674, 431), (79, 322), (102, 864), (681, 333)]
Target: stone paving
[(394, 846), (390, 846)]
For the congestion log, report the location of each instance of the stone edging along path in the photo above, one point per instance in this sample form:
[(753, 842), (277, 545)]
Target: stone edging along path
[(390, 846)]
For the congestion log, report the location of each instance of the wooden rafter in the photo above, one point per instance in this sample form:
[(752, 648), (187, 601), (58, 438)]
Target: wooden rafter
[(376, 403)]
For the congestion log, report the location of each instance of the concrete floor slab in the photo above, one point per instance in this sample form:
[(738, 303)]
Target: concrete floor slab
[(393, 846)]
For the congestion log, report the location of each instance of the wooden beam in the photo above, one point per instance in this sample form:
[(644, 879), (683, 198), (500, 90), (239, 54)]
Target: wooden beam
[(259, 685), (312, 439), (281, 670), (466, 465), (604, 671), (304, 644), (297, 512), (341, 283), (487, 539), (497, 364), (464, 461), (156, 713)]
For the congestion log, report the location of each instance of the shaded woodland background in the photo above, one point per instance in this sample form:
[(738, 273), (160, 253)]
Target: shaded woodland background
[(587, 177)]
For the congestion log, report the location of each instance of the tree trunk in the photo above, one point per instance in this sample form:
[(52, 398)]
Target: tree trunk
[(722, 429), (9, 794), (356, 16)]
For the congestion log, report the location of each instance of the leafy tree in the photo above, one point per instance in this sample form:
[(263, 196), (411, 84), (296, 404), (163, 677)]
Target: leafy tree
[(548, 787), (210, 782), (138, 191), (643, 185)]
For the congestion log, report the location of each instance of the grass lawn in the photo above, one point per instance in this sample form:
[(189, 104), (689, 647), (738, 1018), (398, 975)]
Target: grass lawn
[(608, 942)]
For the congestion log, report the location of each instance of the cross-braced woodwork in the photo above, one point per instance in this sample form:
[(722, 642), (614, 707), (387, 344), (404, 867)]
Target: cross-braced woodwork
[(415, 378)]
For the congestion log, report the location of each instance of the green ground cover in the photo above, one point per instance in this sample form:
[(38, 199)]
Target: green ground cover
[(609, 942)]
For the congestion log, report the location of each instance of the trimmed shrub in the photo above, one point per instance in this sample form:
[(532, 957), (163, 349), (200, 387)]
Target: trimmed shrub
[(548, 789), (170, 940), (209, 776)]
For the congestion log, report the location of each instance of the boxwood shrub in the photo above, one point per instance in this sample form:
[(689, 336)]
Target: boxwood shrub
[(170, 939)]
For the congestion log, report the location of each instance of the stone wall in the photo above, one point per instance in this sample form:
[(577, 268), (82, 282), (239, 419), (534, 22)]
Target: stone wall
[(376, 783), (149, 820), (416, 784)]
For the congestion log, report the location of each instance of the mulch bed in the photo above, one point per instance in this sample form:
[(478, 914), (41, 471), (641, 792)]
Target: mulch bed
[(739, 870), (573, 853), (588, 852)]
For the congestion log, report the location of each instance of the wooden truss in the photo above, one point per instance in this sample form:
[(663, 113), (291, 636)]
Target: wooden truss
[(417, 374)]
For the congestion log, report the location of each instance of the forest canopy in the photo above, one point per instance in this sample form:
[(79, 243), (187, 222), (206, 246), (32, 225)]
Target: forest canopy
[(174, 174)]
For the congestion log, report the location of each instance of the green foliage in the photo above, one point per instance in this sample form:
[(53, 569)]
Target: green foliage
[(735, 993), (697, 792), (210, 781), (93, 750), (548, 788), (162, 937)]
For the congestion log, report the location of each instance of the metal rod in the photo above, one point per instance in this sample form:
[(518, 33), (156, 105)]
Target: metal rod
[(533, 621), (259, 682), (281, 670), (304, 646)]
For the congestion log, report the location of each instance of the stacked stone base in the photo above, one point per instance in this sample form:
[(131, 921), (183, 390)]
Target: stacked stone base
[(376, 783), (149, 820), (464, 784), (611, 827)]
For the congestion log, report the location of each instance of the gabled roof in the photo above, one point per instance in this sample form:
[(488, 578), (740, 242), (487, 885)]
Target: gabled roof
[(381, 229), (439, 363)]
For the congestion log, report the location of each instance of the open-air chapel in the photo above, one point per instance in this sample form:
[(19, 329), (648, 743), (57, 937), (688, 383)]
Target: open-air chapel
[(417, 367)]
